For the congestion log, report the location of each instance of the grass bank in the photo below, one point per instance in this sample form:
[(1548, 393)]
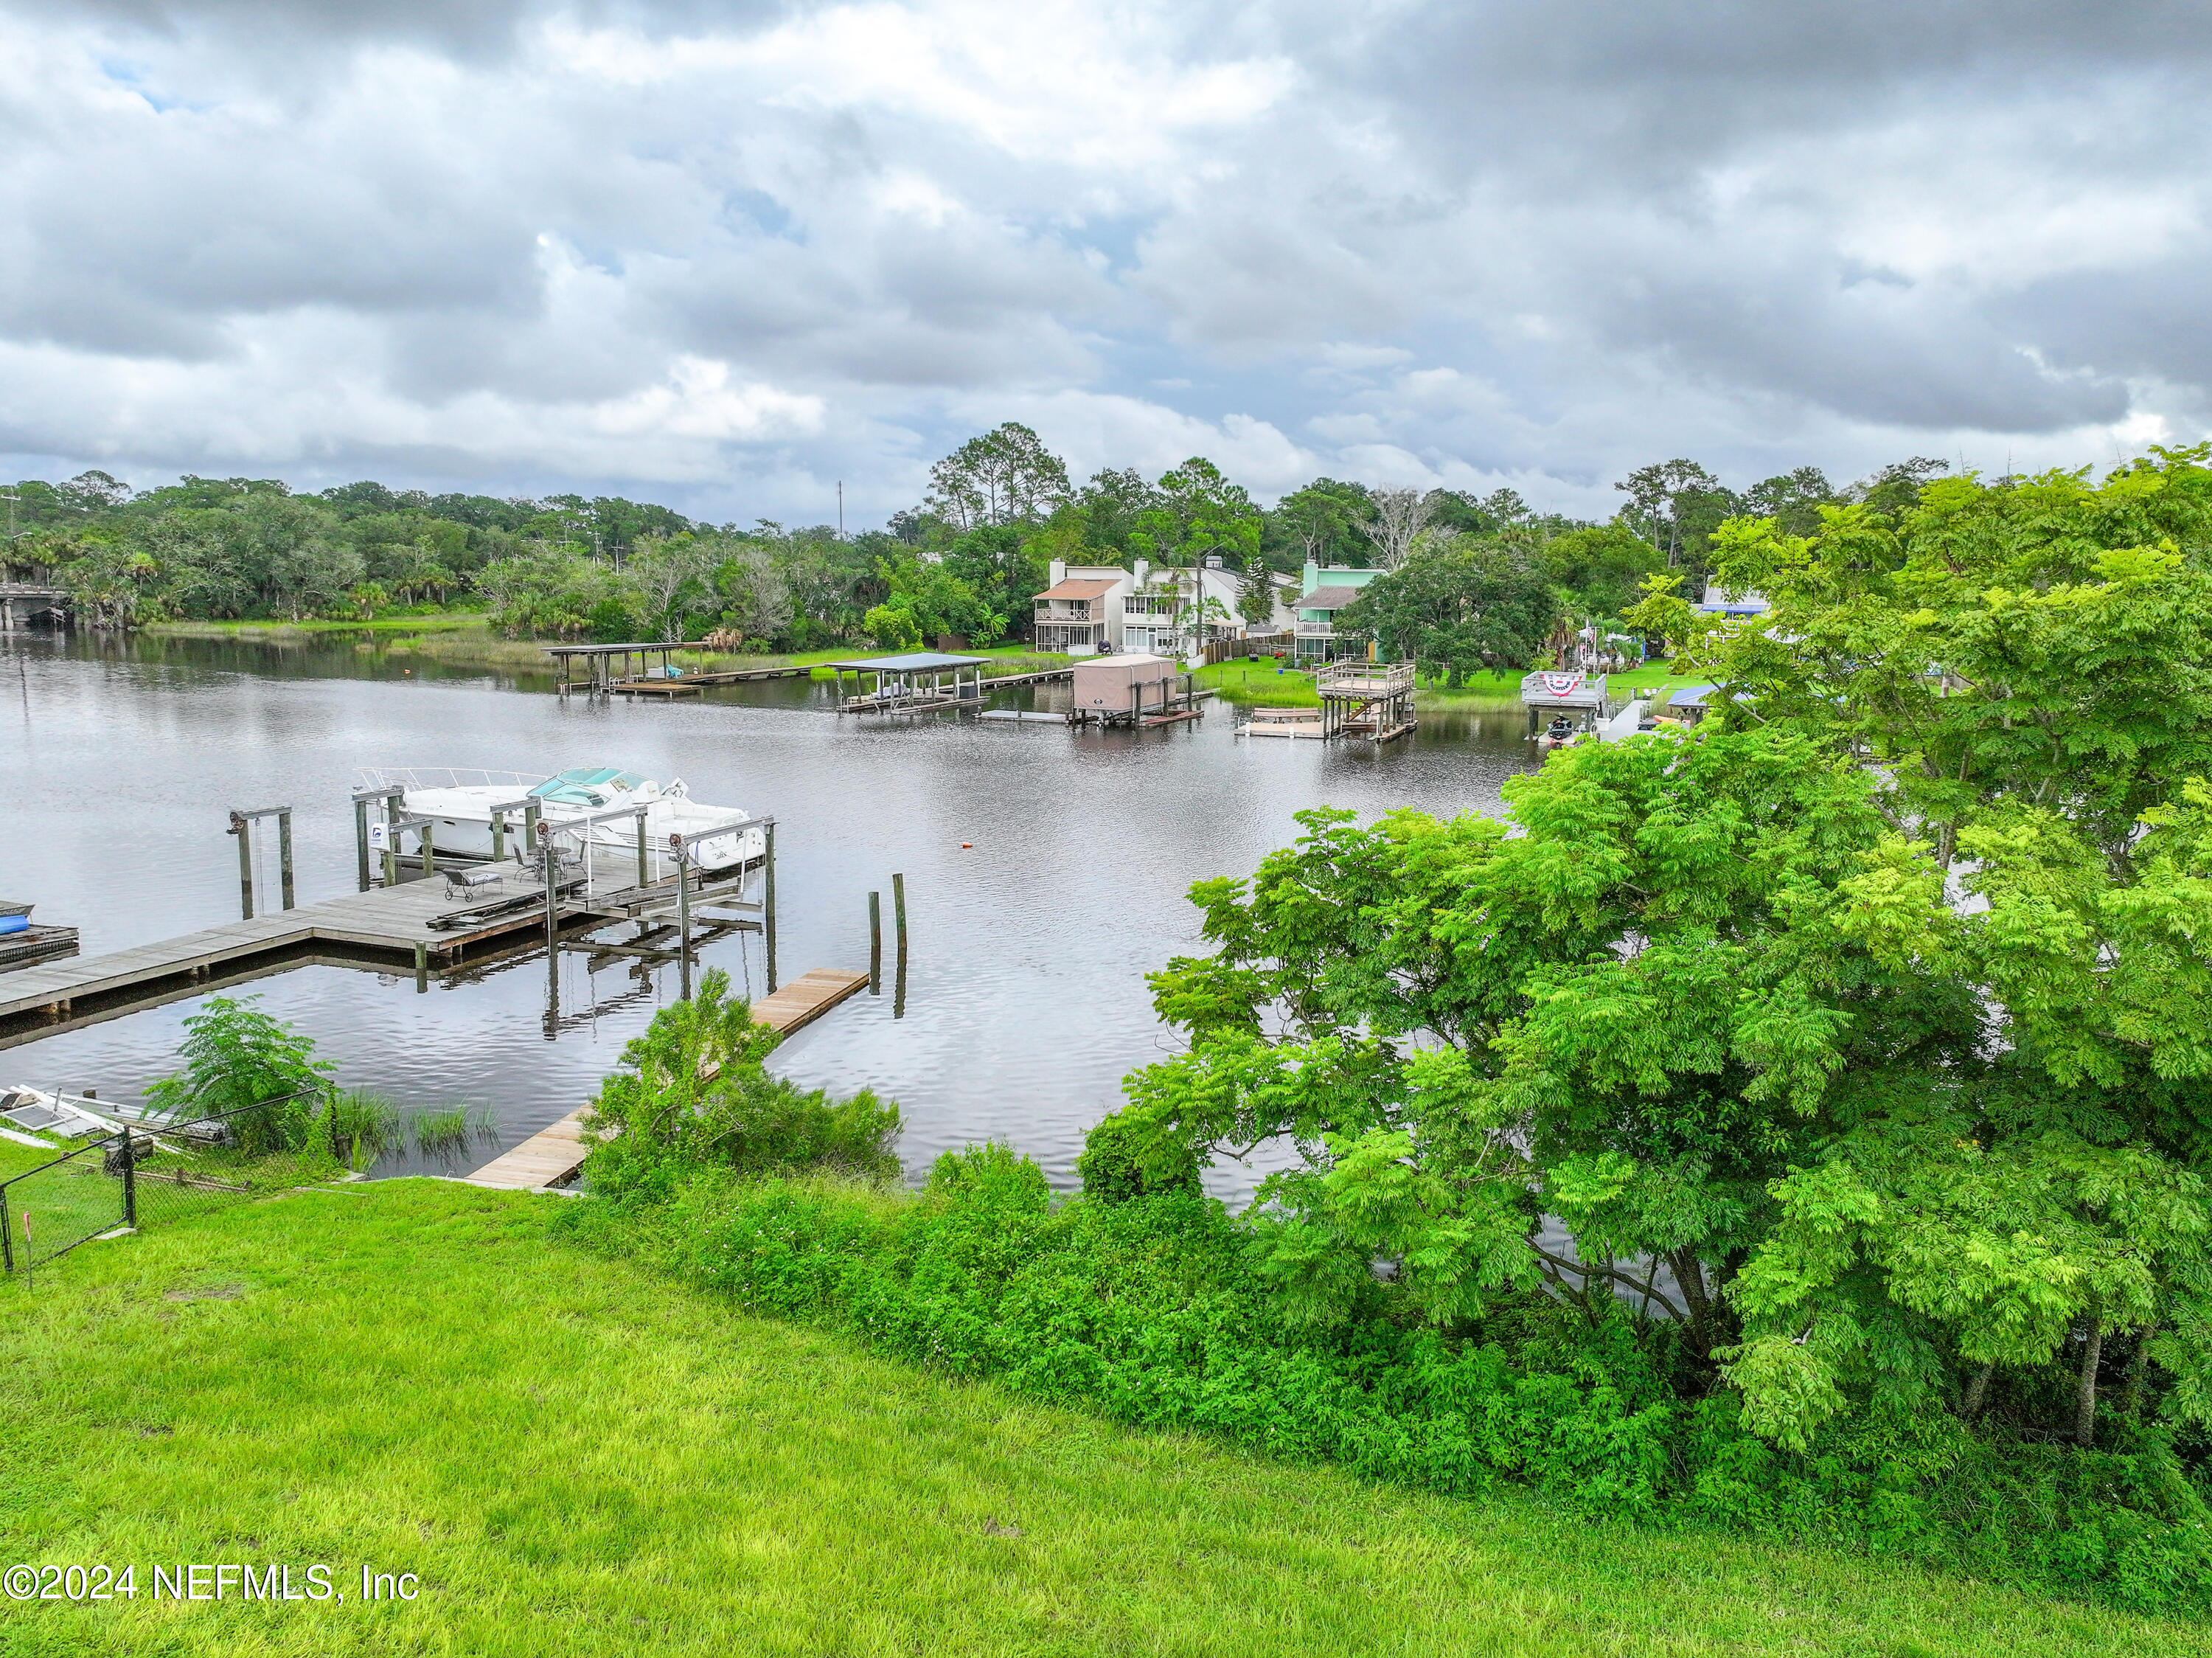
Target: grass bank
[(429, 622), (577, 1456), (1256, 682)]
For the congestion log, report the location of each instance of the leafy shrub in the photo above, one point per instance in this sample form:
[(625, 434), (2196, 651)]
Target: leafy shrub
[(237, 1056), (1155, 1309), (694, 1097), (1121, 1162)]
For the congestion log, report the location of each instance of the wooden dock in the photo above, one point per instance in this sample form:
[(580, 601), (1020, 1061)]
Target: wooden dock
[(556, 1153), (806, 998), (691, 684), (384, 922)]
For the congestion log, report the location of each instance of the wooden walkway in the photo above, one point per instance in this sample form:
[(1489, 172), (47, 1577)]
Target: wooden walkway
[(693, 684), (386, 920), (553, 1153)]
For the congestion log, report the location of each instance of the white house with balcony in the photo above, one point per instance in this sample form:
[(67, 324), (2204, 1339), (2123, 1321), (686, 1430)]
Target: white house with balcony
[(1080, 613), (1327, 589), (1174, 611)]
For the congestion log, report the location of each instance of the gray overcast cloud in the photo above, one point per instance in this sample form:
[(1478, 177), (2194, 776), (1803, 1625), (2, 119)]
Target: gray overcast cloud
[(725, 254)]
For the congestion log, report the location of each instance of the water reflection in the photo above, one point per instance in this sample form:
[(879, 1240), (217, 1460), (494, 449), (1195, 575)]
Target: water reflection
[(1045, 869)]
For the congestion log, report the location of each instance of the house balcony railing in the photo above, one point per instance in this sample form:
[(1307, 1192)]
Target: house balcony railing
[(1079, 610), (1317, 630), (1151, 605)]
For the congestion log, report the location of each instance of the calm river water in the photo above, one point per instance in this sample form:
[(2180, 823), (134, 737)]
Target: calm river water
[(1026, 1002)]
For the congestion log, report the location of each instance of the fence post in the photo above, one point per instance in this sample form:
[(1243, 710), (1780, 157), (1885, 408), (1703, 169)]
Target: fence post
[(7, 1239), (130, 1180)]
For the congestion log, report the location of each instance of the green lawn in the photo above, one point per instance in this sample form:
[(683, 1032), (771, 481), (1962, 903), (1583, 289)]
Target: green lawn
[(1255, 680), (441, 621), (577, 1456)]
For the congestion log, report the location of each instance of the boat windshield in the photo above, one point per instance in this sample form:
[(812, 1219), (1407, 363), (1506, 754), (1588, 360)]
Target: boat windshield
[(586, 785)]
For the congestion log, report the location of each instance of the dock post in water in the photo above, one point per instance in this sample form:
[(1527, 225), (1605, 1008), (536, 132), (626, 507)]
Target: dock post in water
[(360, 838), (898, 917), (683, 917), (238, 826), (642, 877), (875, 943), (285, 852), (767, 906), (422, 967), (550, 862), (391, 840)]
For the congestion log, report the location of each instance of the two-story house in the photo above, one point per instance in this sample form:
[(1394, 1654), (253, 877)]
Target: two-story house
[(1326, 591), (1080, 613)]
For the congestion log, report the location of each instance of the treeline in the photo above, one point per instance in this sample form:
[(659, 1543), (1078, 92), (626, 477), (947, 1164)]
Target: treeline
[(1487, 580)]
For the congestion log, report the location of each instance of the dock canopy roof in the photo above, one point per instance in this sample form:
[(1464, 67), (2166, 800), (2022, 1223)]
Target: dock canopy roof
[(1328, 598), (616, 650), (920, 662)]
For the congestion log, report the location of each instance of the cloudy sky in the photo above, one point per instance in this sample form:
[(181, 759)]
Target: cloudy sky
[(725, 254)]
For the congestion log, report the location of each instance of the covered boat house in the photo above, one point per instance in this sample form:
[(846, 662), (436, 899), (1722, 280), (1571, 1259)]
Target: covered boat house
[(918, 682)]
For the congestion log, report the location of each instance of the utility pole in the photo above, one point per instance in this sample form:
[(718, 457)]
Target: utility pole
[(841, 510)]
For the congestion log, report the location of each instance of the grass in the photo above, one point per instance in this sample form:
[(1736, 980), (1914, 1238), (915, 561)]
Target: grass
[(578, 1456), (1254, 680), (436, 621)]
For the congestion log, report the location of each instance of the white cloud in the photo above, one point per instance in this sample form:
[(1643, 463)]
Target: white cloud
[(726, 251)]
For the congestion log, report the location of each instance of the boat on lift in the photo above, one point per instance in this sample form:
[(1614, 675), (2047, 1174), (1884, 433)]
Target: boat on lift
[(461, 806)]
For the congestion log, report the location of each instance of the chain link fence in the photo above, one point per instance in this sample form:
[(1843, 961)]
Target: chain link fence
[(151, 1174)]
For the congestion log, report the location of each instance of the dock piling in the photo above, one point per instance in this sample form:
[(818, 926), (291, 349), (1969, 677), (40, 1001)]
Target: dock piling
[(875, 943), (241, 825), (898, 917), (360, 838), (422, 967), (768, 905), (683, 917), (238, 826)]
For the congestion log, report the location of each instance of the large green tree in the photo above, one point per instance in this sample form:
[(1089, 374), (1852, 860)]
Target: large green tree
[(1457, 607), (2027, 667)]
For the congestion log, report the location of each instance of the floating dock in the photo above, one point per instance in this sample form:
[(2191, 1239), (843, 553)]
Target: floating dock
[(35, 944), (1281, 722), (556, 1153)]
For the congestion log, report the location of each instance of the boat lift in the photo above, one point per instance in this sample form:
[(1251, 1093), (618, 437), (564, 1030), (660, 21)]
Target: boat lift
[(651, 895)]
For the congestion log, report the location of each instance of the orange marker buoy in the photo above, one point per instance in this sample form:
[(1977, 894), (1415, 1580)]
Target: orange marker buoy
[(966, 845)]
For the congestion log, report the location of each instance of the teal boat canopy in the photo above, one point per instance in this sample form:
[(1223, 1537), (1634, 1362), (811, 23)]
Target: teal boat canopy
[(586, 785)]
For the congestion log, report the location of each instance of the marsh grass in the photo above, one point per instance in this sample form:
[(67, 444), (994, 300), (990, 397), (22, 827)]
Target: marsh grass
[(446, 1133), (580, 1457)]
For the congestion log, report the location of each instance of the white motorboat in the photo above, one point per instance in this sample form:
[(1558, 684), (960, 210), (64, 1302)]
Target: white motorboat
[(461, 806)]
